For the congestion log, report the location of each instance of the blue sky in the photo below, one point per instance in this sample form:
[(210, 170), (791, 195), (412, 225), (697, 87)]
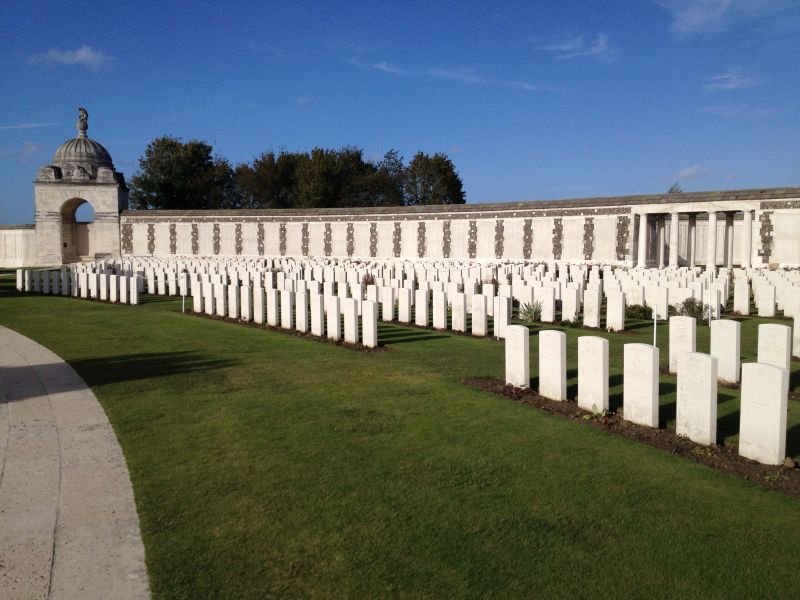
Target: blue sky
[(531, 100)]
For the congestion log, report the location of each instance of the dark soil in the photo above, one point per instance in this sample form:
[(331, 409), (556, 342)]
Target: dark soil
[(784, 478)]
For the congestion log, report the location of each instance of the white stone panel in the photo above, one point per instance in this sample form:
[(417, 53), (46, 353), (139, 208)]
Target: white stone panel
[(696, 409)]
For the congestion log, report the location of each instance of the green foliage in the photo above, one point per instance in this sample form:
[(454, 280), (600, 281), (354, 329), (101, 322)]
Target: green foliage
[(675, 188), (692, 307), (177, 175), (183, 176), (638, 311), (432, 180), (531, 313)]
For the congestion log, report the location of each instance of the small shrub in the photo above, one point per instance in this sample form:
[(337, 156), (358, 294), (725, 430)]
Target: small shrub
[(691, 307), (531, 313), (638, 311), (368, 279)]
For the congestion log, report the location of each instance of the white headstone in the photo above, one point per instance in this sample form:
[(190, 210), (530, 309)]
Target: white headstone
[(762, 423), (775, 345), (726, 348), (640, 384), (593, 373), (517, 355), (682, 338), (696, 407), (369, 324), (553, 364)]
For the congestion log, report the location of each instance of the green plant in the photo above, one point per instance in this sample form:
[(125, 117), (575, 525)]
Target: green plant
[(638, 311), (692, 307), (531, 313)]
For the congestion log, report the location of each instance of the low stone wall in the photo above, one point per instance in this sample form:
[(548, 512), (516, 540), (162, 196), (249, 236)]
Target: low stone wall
[(598, 230), (17, 246)]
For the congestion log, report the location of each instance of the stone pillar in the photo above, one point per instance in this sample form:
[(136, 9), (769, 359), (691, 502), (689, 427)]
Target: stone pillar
[(711, 241), (691, 240), (729, 239), (660, 226), (747, 239), (641, 256), (674, 220)]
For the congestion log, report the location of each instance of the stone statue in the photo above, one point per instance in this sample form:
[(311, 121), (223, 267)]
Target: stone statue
[(83, 122)]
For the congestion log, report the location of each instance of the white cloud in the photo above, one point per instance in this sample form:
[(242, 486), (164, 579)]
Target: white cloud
[(704, 16), (461, 75), (731, 79), (26, 126), (693, 172), (84, 56), (303, 100), (577, 47), (689, 16), (386, 68)]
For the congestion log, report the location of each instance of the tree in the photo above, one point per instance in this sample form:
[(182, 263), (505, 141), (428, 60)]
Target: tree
[(432, 180), (183, 176), (270, 182), (387, 181), (675, 188)]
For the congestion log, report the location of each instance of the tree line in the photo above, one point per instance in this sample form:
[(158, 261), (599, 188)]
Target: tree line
[(187, 175)]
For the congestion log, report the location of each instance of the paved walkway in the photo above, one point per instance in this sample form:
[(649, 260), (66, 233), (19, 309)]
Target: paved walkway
[(68, 523)]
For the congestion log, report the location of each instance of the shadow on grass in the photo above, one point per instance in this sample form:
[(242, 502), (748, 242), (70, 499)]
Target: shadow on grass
[(23, 382), (129, 367), (666, 412)]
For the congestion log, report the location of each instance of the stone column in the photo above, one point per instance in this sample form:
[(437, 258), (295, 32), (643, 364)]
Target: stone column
[(729, 239), (641, 258), (660, 226), (747, 239), (711, 241), (691, 240), (674, 220)]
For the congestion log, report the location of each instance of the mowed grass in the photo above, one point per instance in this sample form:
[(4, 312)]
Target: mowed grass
[(267, 465)]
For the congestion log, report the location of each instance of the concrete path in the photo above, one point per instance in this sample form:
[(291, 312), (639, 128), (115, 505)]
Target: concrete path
[(68, 523)]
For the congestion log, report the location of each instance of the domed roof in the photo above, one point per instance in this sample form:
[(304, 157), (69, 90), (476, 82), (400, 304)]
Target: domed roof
[(82, 151)]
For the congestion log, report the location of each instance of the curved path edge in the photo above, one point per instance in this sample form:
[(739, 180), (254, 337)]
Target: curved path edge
[(68, 522)]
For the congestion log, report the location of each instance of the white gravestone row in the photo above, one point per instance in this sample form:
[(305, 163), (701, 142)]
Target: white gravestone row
[(765, 384)]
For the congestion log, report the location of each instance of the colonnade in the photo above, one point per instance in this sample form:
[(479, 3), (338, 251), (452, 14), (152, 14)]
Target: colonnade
[(663, 258)]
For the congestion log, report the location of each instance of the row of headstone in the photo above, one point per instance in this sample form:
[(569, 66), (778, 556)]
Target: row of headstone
[(322, 315), (764, 384), (122, 289)]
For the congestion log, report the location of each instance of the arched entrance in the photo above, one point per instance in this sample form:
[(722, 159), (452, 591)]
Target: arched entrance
[(77, 227)]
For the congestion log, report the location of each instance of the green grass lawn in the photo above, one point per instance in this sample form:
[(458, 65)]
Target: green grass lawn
[(268, 465)]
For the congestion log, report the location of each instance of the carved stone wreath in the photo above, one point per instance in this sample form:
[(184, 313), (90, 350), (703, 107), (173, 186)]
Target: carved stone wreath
[(151, 239), (527, 239), (472, 239), (351, 239), (328, 238), (282, 239), (304, 238), (127, 238), (173, 238), (588, 238), (499, 238), (397, 236), (765, 232), (238, 239), (373, 239), (260, 239), (623, 234), (558, 235), (215, 238)]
